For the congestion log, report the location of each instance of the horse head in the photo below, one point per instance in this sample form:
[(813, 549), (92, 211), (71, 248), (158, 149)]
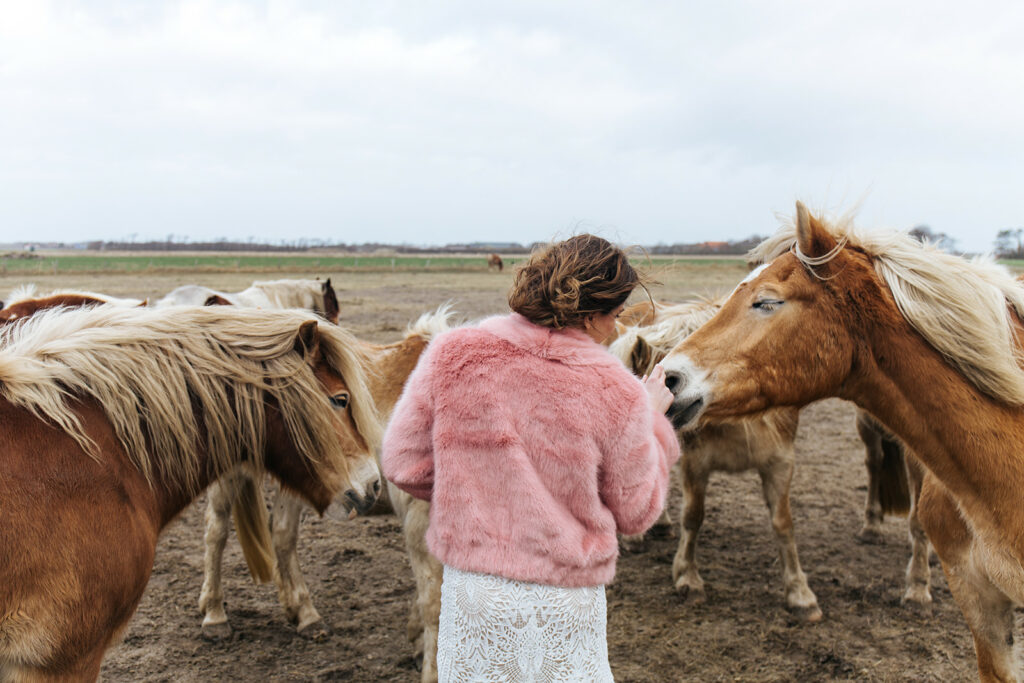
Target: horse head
[(785, 337)]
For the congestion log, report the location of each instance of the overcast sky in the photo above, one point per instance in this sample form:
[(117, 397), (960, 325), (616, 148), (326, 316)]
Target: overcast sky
[(453, 121)]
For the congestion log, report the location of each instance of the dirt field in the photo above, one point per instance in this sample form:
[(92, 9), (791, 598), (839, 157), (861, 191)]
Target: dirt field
[(362, 585)]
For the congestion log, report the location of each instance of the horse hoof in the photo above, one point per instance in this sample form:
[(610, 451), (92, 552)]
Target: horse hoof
[(692, 594), (917, 605), (217, 632), (807, 615), (870, 536), (317, 631)]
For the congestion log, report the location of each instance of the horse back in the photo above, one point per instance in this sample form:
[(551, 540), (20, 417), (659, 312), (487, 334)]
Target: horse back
[(76, 543)]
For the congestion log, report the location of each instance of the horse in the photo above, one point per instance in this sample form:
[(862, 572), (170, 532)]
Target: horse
[(24, 302), (312, 295), (114, 419), (763, 443), (923, 340), (388, 366), (494, 261)]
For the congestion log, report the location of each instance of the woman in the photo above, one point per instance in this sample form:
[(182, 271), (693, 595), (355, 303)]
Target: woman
[(534, 446)]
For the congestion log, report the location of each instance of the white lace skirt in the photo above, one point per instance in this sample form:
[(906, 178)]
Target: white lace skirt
[(497, 629)]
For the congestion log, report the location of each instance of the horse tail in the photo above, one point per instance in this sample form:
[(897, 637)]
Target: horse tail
[(253, 529), (893, 488)]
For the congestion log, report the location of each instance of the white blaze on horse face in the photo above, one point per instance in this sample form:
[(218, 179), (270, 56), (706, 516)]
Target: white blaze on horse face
[(690, 387), (364, 477), (750, 277)]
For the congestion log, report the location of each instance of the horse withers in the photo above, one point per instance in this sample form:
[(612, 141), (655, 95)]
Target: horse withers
[(113, 420), (924, 341)]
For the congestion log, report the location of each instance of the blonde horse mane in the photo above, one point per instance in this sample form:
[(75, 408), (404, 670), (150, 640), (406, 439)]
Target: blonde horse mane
[(306, 294), (30, 291), (961, 307), (153, 371), (673, 323)]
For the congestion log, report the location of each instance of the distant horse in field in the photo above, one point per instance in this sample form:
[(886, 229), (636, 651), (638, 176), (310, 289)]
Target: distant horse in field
[(388, 367), (763, 443), (312, 295), (924, 341), (494, 261), (114, 419)]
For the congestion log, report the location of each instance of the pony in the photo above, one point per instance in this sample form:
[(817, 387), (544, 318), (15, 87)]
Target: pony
[(388, 366), (115, 419), (24, 302), (763, 443), (494, 261), (312, 295), (925, 341)]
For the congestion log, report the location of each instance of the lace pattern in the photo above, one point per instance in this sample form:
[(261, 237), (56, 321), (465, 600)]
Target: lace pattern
[(498, 629)]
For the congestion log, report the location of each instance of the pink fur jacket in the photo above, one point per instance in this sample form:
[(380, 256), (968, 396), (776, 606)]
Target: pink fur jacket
[(534, 447)]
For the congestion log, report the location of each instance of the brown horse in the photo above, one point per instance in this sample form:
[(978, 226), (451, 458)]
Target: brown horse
[(388, 367), (494, 261), (114, 419), (924, 341)]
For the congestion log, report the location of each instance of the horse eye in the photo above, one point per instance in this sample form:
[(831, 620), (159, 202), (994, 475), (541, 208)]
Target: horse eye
[(340, 401), (767, 305)]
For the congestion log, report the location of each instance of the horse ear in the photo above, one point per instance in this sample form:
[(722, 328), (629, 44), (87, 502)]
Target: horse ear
[(307, 340), (216, 300), (331, 307), (812, 238), (641, 357)]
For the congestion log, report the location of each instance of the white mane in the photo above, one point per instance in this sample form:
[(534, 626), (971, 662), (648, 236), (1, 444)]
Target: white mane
[(429, 325), (673, 324), (961, 307), (28, 291)]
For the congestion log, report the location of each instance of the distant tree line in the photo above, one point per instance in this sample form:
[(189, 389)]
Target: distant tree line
[(1009, 243)]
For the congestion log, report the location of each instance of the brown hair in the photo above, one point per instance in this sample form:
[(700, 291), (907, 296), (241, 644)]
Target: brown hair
[(566, 282)]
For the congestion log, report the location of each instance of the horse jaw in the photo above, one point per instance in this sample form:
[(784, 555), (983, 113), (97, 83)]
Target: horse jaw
[(691, 390)]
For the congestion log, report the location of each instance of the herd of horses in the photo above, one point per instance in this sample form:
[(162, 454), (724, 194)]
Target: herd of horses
[(116, 413)]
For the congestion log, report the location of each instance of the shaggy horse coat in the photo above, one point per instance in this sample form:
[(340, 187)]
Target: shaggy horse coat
[(534, 446)]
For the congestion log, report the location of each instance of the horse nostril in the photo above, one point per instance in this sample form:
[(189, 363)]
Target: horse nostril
[(674, 381), (376, 487)]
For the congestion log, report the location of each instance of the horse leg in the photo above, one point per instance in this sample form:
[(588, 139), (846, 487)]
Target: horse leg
[(428, 573), (988, 611), (919, 574), (684, 567), (871, 532), (775, 479), (219, 498), (292, 591)]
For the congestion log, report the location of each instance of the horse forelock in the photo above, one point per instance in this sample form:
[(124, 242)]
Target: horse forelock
[(154, 371), (963, 308)]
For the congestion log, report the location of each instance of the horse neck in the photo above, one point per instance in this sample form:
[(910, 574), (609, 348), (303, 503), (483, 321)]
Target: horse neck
[(392, 364), (967, 439)]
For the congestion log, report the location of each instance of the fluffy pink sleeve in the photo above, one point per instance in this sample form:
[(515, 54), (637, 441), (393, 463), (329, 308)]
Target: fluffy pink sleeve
[(407, 452), (634, 479)]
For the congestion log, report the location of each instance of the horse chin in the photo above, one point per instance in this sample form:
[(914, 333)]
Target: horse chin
[(685, 412)]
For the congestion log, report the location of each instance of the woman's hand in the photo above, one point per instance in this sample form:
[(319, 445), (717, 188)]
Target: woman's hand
[(657, 393)]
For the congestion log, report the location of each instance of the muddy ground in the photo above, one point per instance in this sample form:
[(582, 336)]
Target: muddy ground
[(362, 584)]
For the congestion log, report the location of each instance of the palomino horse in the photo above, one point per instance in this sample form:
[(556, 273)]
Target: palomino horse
[(388, 367), (494, 261), (924, 341), (312, 295), (114, 419), (763, 443)]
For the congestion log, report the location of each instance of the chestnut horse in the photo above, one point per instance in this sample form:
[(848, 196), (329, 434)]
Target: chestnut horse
[(114, 419), (388, 367), (924, 341), (312, 295), (494, 261), (763, 443)]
